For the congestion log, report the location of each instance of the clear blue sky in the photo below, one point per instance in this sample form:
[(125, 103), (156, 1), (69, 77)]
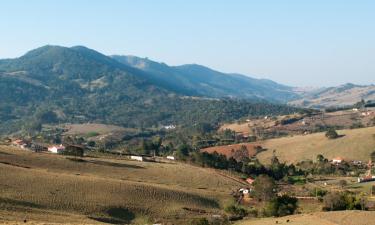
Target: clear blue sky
[(301, 43)]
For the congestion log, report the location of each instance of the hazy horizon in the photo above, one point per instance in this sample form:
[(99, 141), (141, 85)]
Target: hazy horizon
[(315, 43)]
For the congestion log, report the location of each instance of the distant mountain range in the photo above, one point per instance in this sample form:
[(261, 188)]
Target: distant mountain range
[(344, 95), (197, 80), (59, 84), (54, 84)]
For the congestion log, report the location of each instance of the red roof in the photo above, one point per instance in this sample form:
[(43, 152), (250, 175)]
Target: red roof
[(250, 180)]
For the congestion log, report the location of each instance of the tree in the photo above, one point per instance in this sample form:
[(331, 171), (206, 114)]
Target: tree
[(183, 151), (334, 201), (331, 133), (282, 206), (264, 187), (320, 158)]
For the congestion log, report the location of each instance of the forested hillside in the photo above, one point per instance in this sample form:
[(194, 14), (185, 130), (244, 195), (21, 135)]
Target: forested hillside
[(55, 84)]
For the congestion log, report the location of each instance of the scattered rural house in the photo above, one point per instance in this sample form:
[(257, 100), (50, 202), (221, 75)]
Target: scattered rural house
[(56, 149), (137, 158), (19, 143), (170, 157), (355, 109), (170, 127), (250, 180), (337, 160)]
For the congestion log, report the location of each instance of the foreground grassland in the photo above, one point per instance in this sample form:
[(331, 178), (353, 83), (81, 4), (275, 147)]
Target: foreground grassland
[(355, 144), (320, 218), (105, 190)]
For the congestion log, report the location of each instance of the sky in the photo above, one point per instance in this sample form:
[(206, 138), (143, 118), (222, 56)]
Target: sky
[(294, 42)]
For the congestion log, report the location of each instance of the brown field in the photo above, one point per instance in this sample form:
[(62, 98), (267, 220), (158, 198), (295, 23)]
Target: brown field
[(356, 144), (228, 150), (79, 129), (320, 218), (271, 126), (105, 190)]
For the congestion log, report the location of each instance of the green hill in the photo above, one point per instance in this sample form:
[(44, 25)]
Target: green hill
[(54, 84)]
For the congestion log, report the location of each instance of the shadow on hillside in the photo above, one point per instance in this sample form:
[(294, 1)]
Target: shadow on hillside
[(14, 202), (113, 164), (116, 215)]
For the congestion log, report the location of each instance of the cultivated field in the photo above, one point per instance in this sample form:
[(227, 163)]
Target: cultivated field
[(320, 218), (229, 150), (356, 144), (106, 190)]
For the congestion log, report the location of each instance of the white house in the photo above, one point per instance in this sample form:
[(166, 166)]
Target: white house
[(137, 158), (170, 157), (337, 160), (56, 149)]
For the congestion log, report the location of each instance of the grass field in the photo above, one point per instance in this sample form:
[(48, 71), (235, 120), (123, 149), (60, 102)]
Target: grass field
[(105, 190), (320, 218), (229, 150), (356, 144)]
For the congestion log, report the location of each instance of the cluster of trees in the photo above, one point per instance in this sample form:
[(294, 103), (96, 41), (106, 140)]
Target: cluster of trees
[(322, 166), (344, 201)]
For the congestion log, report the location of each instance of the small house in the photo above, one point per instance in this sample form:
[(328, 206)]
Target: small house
[(250, 180), (337, 160), (170, 157), (19, 143), (137, 158), (57, 149)]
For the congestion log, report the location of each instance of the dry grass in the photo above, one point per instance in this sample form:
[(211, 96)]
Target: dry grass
[(79, 129), (107, 190), (356, 144), (229, 150), (320, 218)]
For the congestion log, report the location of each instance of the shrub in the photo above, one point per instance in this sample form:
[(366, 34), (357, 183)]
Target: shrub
[(281, 206), (236, 210), (343, 201), (331, 133), (200, 221)]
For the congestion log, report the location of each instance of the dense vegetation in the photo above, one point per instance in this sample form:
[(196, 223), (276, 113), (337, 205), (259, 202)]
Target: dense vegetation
[(56, 85)]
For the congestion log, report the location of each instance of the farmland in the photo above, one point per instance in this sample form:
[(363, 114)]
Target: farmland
[(321, 218), (106, 190), (355, 144)]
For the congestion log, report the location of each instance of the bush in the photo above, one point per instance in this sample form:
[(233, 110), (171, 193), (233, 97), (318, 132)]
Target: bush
[(200, 221), (331, 133), (281, 206), (236, 210), (343, 201)]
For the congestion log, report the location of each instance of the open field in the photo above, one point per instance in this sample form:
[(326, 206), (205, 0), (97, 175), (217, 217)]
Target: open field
[(356, 144), (79, 129), (229, 150), (300, 124), (105, 190), (320, 218)]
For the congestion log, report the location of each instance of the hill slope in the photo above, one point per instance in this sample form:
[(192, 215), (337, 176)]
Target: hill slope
[(344, 95), (356, 144), (107, 190), (57, 84), (200, 80)]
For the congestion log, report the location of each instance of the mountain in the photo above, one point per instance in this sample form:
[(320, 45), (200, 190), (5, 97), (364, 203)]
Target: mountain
[(199, 80), (54, 84), (343, 95)]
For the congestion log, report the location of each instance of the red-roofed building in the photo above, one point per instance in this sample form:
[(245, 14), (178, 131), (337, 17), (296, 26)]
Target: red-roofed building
[(250, 180), (337, 160)]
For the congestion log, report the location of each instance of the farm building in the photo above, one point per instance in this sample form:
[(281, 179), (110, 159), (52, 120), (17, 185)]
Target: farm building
[(337, 160), (56, 149), (170, 157), (250, 180), (20, 143), (137, 158)]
